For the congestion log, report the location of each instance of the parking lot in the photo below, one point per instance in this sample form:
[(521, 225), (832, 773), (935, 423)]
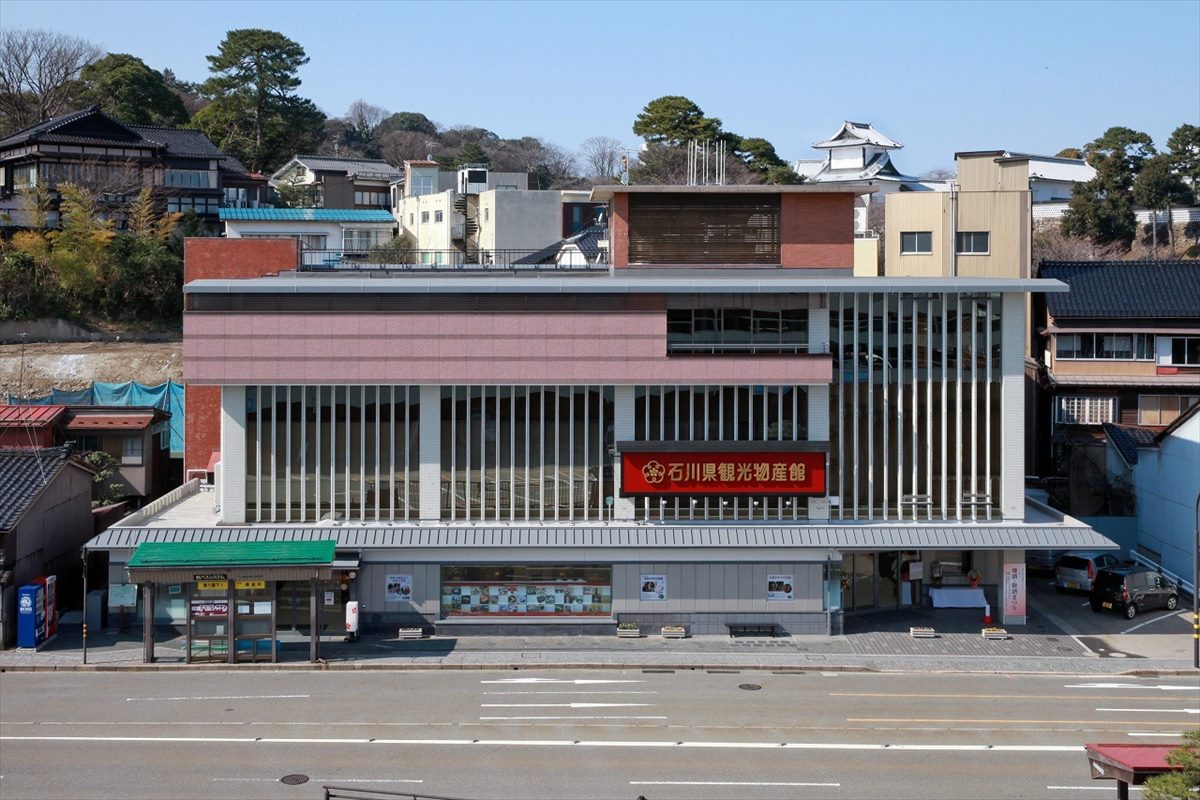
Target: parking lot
[(1153, 634)]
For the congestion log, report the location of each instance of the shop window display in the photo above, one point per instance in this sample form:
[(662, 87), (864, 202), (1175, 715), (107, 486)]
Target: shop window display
[(534, 591)]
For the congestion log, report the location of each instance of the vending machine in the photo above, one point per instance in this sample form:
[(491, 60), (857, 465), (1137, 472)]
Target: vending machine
[(31, 616), (50, 598)]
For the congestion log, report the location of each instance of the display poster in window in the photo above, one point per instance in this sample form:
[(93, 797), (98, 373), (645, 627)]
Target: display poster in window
[(399, 588), (916, 570), (329, 598), (654, 587), (1014, 590), (780, 587)]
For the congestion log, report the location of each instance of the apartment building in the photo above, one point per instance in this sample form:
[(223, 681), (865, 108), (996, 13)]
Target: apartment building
[(477, 216)]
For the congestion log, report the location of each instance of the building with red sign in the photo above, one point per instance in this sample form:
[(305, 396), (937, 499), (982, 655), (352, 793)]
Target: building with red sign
[(721, 425)]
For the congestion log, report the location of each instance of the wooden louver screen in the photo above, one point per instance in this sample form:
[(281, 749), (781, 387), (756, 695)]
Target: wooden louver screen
[(703, 229)]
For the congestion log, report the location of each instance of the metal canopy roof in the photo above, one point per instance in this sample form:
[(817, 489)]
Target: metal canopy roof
[(217, 552), (906, 536), (661, 282)]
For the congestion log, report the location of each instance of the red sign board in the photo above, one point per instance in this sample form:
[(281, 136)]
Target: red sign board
[(722, 473)]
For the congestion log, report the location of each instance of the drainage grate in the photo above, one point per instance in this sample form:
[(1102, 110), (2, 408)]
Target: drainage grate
[(658, 672), (749, 687), (295, 779), (722, 671)]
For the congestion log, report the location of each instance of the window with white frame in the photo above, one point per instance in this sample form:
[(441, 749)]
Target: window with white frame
[(1163, 409), (916, 242), (1107, 346), (972, 242), (1084, 410), (131, 449), (360, 238)]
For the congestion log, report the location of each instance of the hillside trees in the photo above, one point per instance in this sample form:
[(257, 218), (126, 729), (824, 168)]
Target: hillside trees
[(125, 88), (86, 269), (1102, 208)]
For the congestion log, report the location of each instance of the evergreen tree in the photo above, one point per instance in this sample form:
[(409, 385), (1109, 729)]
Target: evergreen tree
[(255, 113), (125, 88)]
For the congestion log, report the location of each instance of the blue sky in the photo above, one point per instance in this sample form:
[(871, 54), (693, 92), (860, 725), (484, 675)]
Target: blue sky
[(939, 77)]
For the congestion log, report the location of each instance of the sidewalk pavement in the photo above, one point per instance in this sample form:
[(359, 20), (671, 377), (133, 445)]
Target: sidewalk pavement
[(876, 643)]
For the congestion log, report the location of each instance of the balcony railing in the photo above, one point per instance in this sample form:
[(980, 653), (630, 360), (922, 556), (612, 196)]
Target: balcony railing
[(413, 260)]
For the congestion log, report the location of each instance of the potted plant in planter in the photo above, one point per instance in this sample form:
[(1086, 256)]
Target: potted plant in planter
[(628, 630), (674, 632), (973, 576), (994, 633)]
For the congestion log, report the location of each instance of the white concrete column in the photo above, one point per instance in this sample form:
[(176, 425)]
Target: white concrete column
[(233, 454), (818, 396), (430, 452), (623, 431), (1012, 406)]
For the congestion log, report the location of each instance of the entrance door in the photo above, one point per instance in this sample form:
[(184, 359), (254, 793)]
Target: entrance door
[(859, 570)]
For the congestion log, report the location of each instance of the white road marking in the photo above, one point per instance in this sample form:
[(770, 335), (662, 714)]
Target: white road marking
[(1079, 642), (574, 691), (1164, 687), (1164, 735), (627, 716), (562, 705), (322, 780), (1155, 710), (1168, 615), (985, 748), (728, 783), (1108, 789), (227, 697), (576, 681)]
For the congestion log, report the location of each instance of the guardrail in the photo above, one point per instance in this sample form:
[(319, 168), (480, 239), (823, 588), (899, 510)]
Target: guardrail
[(435, 260), (169, 499)]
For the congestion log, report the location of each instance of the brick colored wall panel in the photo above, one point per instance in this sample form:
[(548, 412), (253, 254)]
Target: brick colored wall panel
[(817, 230)]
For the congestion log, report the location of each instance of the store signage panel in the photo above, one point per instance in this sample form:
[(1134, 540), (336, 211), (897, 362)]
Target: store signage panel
[(209, 576), (219, 586), (210, 608), (1014, 590), (250, 584), (722, 473)]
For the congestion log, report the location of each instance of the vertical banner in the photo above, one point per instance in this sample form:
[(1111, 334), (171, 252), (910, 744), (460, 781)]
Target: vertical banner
[(399, 588), (654, 587), (1014, 593)]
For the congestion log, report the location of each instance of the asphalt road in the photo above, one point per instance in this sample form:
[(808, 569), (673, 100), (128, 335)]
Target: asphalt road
[(589, 734)]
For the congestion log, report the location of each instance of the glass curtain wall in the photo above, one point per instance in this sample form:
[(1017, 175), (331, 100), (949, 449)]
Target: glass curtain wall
[(915, 406), (322, 452)]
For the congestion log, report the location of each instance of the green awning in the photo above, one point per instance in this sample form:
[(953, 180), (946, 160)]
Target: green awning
[(159, 555)]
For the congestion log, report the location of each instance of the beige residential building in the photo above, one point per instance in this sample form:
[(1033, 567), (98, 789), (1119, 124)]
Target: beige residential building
[(477, 216), (981, 228)]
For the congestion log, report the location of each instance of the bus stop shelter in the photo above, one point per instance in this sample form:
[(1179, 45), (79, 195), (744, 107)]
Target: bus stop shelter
[(230, 593)]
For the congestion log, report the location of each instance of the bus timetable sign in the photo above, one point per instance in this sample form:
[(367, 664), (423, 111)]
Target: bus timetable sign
[(719, 472)]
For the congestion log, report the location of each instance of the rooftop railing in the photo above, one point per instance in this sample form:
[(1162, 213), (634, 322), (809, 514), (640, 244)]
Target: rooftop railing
[(414, 260)]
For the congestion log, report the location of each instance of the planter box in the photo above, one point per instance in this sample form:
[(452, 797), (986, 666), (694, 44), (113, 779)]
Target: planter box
[(629, 633), (411, 633), (674, 632), (994, 633), (919, 632)]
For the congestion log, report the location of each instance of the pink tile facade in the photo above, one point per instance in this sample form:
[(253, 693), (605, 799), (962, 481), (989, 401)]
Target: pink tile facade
[(454, 348)]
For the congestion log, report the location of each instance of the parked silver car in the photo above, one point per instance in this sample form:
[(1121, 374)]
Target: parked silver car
[(1075, 570)]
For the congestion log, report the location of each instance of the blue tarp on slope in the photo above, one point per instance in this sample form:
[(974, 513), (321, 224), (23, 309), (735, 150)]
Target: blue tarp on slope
[(168, 396)]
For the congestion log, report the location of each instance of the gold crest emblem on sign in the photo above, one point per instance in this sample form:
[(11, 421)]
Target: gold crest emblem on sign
[(654, 472)]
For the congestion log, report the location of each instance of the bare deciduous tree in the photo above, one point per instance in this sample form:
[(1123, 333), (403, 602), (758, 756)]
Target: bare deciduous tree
[(1051, 244), (939, 174), (38, 71), (364, 117), (601, 157)]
